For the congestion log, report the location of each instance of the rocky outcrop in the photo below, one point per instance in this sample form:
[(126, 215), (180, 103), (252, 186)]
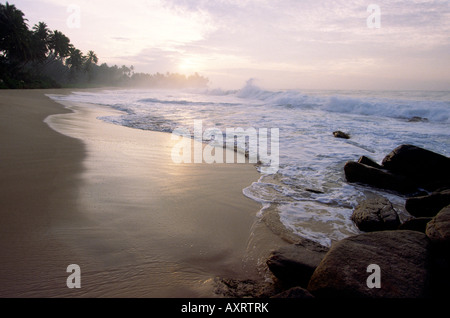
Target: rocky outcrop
[(407, 169), (414, 172), (428, 205), (413, 258), (382, 179), (428, 170), (375, 214), (293, 265), (402, 256)]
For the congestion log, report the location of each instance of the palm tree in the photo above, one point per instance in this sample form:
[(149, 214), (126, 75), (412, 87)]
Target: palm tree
[(14, 35), (59, 45), (40, 41), (91, 57), (125, 71), (90, 60), (76, 59)]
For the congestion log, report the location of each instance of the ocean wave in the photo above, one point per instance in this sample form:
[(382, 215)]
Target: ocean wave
[(424, 108), (436, 111), (181, 102)]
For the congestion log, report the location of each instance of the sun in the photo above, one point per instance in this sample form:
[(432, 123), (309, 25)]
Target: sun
[(190, 65)]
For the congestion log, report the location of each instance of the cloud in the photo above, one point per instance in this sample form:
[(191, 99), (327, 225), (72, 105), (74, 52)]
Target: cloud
[(329, 38), (118, 38), (308, 40)]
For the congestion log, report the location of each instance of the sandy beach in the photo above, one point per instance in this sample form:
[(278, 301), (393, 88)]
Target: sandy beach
[(76, 190)]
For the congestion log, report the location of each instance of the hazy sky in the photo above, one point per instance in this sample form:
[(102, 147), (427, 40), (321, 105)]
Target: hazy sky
[(291, 44)]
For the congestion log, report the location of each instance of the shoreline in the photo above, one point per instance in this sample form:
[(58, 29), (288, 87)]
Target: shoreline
[(32, 168), (136, 224)]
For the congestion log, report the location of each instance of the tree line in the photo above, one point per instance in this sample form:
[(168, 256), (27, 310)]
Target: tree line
[(44, 58)]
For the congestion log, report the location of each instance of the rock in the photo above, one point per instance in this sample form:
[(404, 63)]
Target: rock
[(293, 265), (427, 169), (340, 134), (369, 162), (438, 229), (415, 224), (294, 292), (402, 256), (407, 169), (428, 205), (376, 214), (416, 119), (407, 159), (235, 288), (361, 173)]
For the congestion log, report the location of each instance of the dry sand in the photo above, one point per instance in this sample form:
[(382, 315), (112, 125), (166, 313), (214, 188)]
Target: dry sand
[(110, 199)]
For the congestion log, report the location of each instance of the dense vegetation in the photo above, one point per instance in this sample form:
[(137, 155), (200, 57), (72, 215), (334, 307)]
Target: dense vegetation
[(42, 58)]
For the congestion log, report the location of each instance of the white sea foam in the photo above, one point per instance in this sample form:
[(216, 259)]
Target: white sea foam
[(309, 189)]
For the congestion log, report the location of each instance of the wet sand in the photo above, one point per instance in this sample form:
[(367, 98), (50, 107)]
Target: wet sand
[(111, 200)]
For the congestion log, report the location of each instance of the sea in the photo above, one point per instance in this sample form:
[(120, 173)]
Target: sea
[(307, 191)]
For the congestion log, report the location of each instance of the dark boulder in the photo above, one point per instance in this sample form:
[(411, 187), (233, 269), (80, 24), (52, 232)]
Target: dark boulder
[(402, 257), (382, 179), (428, 205), (438, 229), (293, 265), (427, 169), (375, 214)]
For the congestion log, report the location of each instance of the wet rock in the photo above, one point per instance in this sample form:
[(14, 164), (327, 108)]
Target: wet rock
[(416, 119), (425, 168), (428, 205), (402, 256), (382, 179), (407, 169), (293, 265), (341, 134), (438, 229), (375, 214)]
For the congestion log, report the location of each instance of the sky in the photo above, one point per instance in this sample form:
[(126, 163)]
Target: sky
[(281, 44)]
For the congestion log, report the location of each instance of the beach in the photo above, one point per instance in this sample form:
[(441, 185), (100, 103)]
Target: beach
[(78, 190)]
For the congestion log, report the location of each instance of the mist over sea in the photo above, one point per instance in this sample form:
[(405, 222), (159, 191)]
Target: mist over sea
[(308, 193)]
